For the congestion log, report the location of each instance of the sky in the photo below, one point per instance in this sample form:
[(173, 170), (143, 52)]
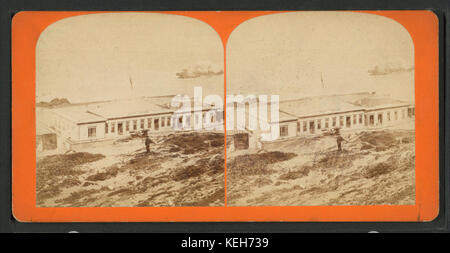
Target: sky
[(304, 54), (107, 56), (99, 57)]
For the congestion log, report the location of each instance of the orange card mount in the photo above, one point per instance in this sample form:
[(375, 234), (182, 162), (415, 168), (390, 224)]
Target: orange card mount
[(413, 200)]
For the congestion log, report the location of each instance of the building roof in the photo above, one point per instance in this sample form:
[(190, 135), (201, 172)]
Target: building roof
[(379, 102), (42, 129), (286, 117), (115, 109), (289, 110), (78, 114), (317, 106), (322, 105), (128, 108)]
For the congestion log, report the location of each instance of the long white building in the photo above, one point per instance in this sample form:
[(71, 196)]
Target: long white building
[(364, 110), (102, 121), (316, 115)]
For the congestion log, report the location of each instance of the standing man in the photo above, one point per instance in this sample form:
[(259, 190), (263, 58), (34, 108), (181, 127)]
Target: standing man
[(339, 141), (147, 143)]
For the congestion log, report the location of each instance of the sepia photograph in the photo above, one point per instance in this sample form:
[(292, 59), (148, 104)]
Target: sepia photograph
[(328, 111), (319, 110), (116, 96)]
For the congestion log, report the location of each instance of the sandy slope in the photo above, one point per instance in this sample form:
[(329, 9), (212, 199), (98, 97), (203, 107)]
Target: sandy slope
[(375, 168), (175, 173)]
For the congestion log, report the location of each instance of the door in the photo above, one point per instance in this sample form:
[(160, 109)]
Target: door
[(120, 128), (312, 127), (156, 124), (371, 120), (380, 119), (241, 141)]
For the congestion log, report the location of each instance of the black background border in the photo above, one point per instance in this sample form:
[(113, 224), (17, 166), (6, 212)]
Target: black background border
[(9, 8)]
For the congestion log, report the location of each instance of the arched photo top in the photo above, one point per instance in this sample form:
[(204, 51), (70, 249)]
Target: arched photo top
[(316, 53), (97, 57)]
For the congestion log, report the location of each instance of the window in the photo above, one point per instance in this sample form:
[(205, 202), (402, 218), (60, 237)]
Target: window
[(149, 123), (168, 121), (113, 127), (156, 124), (305, 126), (341, 121), (371, 120), (127, 125), (319, 124), (348, 121), (334, 121), (106, 128), (360, 118), (163, 122), (283, 130), (142, 124), (134, 124), (120, 127), (92, 131), (312, 128), (354, 119), (389, 116), (396, 115), (327, 123), (299, 126)]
